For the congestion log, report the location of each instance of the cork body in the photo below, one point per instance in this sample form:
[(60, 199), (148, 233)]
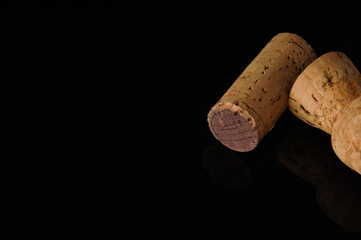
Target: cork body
[(346, 135), (326, 95), (254, 102), (323, 89)]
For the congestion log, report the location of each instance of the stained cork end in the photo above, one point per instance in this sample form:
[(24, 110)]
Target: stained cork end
[(255, 101), (234, 127)]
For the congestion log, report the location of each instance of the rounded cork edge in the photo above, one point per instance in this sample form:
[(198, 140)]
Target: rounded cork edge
[(233, 126), (346, 136), (301, 42)]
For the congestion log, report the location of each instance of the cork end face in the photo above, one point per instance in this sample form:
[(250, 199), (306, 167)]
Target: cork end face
[(234, 127), (346, 136)]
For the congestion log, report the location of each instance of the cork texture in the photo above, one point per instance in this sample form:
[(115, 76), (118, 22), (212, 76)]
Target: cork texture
[(346, 135), (323, 89)]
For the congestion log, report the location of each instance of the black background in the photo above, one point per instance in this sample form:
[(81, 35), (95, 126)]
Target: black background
[(104, 117)]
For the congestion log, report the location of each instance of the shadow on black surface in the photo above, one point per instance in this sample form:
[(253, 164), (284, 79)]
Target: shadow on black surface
[(304, 151)]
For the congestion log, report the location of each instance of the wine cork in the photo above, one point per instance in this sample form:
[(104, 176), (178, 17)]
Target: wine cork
[(326, 95), (254, 102), (346, 135), (323, 89)]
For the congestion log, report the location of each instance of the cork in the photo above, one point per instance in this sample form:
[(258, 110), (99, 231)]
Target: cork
[(323, 89), (346, 135), (326, 96), (252, 105)]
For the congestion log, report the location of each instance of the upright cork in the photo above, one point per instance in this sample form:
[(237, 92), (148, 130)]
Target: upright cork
[(255, 101), (326, 95)]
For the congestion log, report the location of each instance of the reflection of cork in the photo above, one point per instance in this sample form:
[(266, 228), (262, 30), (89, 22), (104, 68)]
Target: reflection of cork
[(226, 167), (339, 196), (252, 105), (338, 190), (325, 96)]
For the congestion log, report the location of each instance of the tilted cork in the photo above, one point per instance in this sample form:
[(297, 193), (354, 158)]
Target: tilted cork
[(255, 101), (323, 89), (327, 95)]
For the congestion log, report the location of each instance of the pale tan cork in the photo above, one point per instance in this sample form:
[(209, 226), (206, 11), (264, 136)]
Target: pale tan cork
[(323, 89), (326, 95), (346, 135)]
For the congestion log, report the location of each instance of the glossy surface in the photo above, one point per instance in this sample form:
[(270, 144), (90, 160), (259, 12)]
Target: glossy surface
[(104, 117)]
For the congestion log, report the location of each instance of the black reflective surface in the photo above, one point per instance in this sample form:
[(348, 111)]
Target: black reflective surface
[(104, 122)]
